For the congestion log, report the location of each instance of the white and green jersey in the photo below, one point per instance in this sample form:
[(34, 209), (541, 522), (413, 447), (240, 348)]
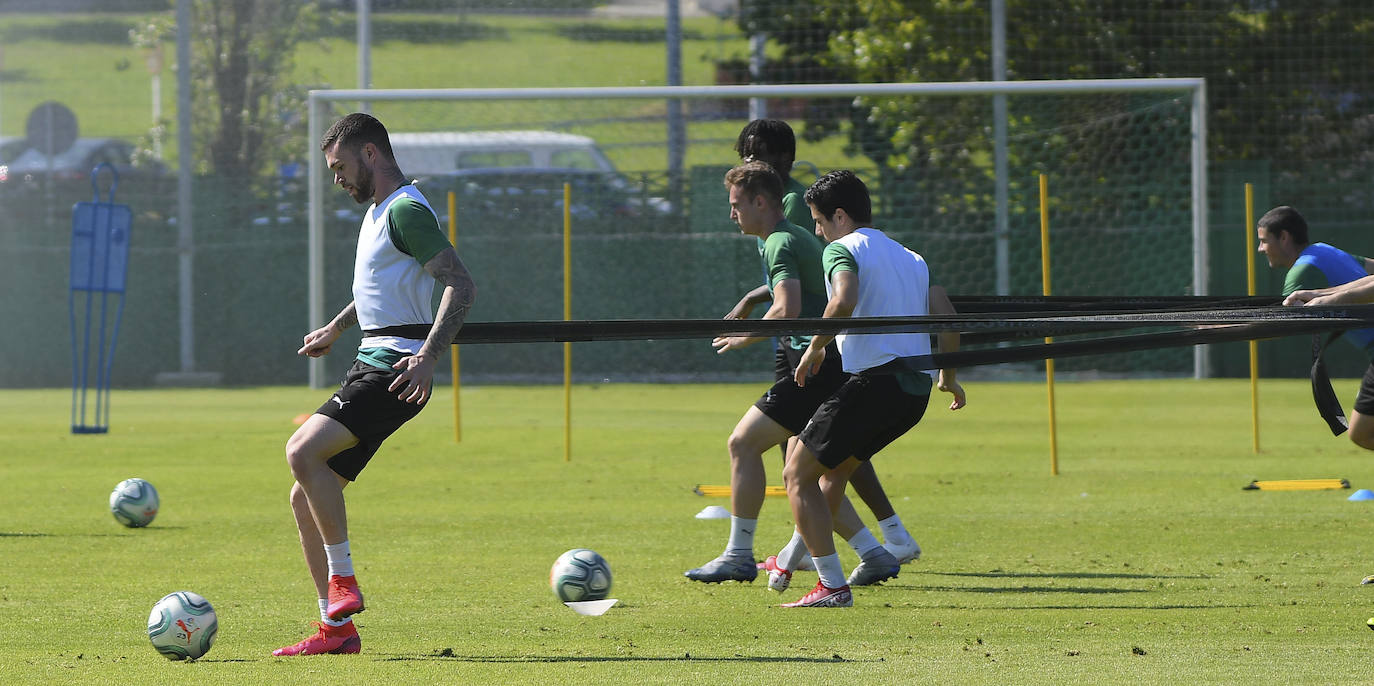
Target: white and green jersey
[(893, 282), (390, 286)]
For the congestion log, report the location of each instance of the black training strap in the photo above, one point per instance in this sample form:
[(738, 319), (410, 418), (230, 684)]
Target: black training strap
[(418, 332), (1328, 405)]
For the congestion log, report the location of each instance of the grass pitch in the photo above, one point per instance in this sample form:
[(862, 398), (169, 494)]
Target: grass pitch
[(1142, 562)]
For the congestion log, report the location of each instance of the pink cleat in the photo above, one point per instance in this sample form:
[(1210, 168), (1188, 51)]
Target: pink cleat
[(332, 640), (344, 597), (824, 596)]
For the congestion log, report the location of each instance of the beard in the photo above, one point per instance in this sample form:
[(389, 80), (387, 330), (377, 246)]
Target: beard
[(362, 190)]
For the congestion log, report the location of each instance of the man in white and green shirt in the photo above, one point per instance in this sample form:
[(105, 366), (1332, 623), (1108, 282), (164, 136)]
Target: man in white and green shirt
[(867, 275), (401, 255)]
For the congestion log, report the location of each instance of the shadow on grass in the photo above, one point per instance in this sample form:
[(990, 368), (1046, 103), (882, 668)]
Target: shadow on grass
[(1089, 590), (21, 534), (447, 655), (1067, 575)]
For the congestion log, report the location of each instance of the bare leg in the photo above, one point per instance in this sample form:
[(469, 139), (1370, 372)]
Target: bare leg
[(307, 453), (1362, 430), (312, 545), (754, 433), (811, 506), (870, 490)]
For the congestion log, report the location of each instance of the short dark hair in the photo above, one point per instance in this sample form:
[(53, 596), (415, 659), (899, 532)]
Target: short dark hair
[(1285, 219), (356, 130), (768, 140), (841, 189), (755, 179)]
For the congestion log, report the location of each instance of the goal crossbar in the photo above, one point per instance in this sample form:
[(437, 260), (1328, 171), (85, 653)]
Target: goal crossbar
[(1196, 88)]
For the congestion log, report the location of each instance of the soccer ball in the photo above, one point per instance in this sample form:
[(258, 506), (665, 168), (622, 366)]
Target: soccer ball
[(579, 575), (133, 502), (182, 626)]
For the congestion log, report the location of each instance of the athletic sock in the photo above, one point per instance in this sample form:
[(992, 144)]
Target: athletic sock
[(741, 543), (324, 615), (865, 543), (894, 531), (832, 574), (340, 559), (792, 553)]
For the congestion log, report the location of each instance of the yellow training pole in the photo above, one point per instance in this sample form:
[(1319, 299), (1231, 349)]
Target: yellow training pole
[(453, 362), (567, 316), (1045, 282), (1250, 280)]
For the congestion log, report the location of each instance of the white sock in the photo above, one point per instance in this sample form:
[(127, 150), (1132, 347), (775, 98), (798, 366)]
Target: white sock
[(832, 574), (865, 543), (792, 553), (894, 531), (324, 616), (741, 542), (340, 560)]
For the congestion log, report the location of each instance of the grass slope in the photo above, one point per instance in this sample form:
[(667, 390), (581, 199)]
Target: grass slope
[(1142, 562)]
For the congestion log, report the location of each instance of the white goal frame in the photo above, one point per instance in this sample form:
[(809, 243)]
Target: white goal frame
[(1196, 88)]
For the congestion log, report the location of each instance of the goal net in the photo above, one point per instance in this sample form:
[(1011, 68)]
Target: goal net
[(651, 234)]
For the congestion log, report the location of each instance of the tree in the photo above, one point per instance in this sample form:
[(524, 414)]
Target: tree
[(244, 57)]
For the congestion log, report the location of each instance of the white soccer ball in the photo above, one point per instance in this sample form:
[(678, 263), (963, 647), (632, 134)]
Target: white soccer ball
[(579, 575), (133, 502), (182, 626)]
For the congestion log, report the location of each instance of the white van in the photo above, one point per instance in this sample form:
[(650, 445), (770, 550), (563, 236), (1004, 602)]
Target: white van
[(423, 154)]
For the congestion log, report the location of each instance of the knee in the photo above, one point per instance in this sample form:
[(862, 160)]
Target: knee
[(299, 503), (1364, 439)]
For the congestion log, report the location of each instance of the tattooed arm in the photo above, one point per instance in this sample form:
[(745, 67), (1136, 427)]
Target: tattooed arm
[(417, 371), (318, 342)]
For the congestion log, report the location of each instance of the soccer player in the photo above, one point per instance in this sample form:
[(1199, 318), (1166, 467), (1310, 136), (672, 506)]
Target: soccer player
[(772, 141), (401, 254), (1320, 274), (792, 259), (867, 275)]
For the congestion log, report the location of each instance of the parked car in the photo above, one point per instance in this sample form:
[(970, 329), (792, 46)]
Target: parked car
[(21, 163), (424, 154), (530, 191)]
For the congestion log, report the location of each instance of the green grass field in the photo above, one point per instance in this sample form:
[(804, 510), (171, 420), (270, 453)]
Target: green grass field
[(1142, 562)]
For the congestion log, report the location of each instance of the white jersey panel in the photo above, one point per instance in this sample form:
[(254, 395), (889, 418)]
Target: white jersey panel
[(389, 287), (893, 282)]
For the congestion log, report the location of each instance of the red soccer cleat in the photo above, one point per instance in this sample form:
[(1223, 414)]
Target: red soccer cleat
[(824, 596), (778, 578), (344, 597), (332, 640)]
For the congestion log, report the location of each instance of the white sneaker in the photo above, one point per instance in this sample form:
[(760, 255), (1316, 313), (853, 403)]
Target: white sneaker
[(904, 552)]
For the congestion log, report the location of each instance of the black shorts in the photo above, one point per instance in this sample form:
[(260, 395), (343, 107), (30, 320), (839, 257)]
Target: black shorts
[(1364, 402), (365, 407), (868, 412), (790, 405)]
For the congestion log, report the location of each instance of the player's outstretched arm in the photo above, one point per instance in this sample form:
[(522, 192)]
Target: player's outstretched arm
[(1355, 292), (417, 371), (746, 304), (949, 342), (844, 298), (786, 305), (319, 341)]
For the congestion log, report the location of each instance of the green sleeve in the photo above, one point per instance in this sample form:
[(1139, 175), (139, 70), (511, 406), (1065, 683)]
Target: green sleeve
[(414, 230), (795, 209), (1304, 277), (837, 258), (780, 258)]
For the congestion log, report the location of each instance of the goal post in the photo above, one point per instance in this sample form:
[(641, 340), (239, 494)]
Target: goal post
[(609, 112)]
